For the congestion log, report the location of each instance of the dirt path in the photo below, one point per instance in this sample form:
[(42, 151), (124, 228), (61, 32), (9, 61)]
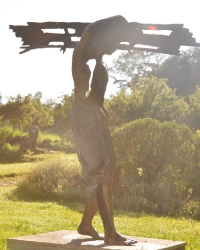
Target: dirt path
[(9, 182)]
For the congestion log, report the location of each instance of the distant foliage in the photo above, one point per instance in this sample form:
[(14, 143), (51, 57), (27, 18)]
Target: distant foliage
[(156, 86), (9, 154), (129, 67), (55, 142), (6, 132), (150, 97), (182, 71), (21, 112), (14, 144), (195, 177), (47, 136), (193, 118)]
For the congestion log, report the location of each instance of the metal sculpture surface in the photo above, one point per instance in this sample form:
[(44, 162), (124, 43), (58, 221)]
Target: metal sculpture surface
[(88, 115), (149, 37)]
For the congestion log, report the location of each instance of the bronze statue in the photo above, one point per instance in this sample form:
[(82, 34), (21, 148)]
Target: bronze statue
[(89, 117), (91, 133), (136, 36)]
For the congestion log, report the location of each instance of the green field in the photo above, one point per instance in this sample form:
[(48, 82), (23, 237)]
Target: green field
[(19, 217)]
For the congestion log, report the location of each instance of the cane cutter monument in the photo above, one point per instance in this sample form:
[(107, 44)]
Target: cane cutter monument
[(89, 119), (34, 37)]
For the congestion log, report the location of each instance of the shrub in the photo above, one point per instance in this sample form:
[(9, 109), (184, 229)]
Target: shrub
[(7, 133), (9, 154), (55, 142), (48, 137), (55, 180), (191, 209), (155, 161), (195, 177)]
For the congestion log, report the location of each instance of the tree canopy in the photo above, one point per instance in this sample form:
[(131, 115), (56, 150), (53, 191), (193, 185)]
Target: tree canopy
[(182, 72), (151, 86)]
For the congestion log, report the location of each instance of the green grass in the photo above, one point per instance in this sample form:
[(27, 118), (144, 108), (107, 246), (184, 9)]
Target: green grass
[(19, 169), (19, 218), (24, 218), (16, 169)]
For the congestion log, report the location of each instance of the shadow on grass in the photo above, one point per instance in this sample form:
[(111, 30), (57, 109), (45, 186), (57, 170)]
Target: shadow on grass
[(75, 205)]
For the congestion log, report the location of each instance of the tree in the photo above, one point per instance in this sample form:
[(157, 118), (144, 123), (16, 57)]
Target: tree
[(193, 119), (61, 112), (129, 67), (124, 106), (181, 71), (43, 115), (161, 102), (11, 111), (21, 112), (150, 97)]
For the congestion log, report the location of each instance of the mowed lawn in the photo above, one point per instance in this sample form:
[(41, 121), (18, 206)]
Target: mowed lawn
[(19, 218)]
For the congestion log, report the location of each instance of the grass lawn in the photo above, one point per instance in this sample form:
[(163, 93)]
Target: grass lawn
[(19, 218)]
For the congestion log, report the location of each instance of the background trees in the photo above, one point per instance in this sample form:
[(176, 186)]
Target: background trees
[(150, 85), (193, 118), (157, 135), (21, 112), (129, 67), (150, 97), (182, 71), (156, 86), (61, 113)]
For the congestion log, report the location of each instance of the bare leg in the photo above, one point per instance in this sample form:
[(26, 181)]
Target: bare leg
[(104, 200), (91, 207)]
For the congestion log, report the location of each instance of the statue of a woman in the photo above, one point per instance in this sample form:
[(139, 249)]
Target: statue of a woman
[(89, 125)]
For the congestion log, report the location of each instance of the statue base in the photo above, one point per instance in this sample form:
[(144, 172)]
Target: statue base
[(66, 239)]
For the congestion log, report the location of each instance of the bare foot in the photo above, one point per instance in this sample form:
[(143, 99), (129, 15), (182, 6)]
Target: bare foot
[(90, 231), (118, 239)]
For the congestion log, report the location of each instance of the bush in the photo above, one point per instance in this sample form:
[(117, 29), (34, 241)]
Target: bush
[(48, 137), (9, 154), (7, 133), (191, 209), (55, 180), (194, 179), (55, 142), (156, 164), (159, 169)]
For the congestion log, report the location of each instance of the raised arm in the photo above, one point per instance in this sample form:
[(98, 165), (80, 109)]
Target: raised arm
[(88, 35), (84, 51)]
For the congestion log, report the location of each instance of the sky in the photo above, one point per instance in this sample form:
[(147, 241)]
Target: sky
[(49, 70)]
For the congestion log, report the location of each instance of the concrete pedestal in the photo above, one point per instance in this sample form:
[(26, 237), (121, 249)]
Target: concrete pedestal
[(65, 239)]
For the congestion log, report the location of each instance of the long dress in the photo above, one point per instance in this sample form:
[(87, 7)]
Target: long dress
[(91, 133)]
